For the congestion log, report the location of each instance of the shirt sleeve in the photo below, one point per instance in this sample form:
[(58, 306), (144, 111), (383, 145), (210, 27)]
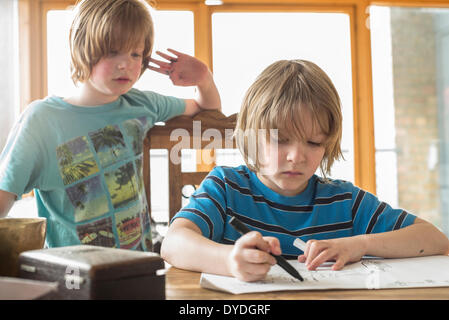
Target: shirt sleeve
[(207, 206), (21, 160), (166, 107), (370, 215)]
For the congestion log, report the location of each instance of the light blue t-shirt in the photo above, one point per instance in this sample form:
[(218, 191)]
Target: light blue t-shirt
[(324, 210), (85, 164)]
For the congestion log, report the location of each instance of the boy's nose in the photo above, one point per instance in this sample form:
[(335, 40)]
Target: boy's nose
[(122, 65), (123, 62), (296, 153)]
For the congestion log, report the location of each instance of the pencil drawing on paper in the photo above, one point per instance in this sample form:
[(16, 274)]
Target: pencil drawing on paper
[(366, 274)]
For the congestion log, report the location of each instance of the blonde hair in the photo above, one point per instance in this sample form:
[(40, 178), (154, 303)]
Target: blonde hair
[(100, 26), (276, 101)]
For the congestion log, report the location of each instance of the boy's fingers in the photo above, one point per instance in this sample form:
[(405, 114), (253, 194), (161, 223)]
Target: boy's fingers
[(255, 248), (160, 70), (260, 270), (254, 239), (177, 53), (313, 251), (338, 265), (324, 256), (166, 56), (275, 246), (258, 257), (160, 63)]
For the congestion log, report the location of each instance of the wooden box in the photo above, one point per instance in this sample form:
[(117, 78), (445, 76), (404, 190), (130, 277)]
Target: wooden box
[(92, 272)]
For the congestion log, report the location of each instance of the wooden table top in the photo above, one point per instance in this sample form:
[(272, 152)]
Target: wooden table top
[(185, 285)]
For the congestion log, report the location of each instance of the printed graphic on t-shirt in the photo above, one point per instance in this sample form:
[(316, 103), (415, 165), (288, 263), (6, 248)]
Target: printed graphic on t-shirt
[(88, 198), (140, 185), (134, 129), (97, 233), (145, 217), (128, 227), (75, 160), (109, 145), (99, 172), (122, 185)]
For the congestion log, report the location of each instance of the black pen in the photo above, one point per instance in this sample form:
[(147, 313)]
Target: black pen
[(242, 229)]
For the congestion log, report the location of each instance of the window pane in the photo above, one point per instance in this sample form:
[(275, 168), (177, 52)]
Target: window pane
[(169, 34), (410, 47), (59, 80), (245, 43)]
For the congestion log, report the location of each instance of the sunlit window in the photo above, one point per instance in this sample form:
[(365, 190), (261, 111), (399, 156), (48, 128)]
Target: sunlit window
[(58, 54), (167, 36), (410, 47), (9, 82)]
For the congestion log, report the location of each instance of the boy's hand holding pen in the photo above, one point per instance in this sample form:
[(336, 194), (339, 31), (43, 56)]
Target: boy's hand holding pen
[(253, 255), (250, 258)]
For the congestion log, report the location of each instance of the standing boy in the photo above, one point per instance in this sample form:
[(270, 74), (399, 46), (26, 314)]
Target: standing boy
[(83, 154)]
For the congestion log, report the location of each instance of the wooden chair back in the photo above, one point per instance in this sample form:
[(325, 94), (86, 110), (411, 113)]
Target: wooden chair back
[(208, 130)]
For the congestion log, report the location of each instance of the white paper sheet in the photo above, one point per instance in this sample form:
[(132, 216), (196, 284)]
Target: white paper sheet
[(366, 274)]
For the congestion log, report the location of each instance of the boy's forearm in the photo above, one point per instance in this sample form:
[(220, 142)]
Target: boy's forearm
[(419, 239), (186, 249), (208, 97)]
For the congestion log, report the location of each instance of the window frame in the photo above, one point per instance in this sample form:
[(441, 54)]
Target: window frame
[(33, 54)]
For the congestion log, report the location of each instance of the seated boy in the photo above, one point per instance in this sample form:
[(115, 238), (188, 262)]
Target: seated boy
[(290, 124)]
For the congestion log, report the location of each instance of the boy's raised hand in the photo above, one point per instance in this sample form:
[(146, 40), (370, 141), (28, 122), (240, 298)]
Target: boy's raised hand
[(183, 70), (250, 258)]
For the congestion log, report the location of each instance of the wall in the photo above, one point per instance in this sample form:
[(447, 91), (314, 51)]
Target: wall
[(416, 111)]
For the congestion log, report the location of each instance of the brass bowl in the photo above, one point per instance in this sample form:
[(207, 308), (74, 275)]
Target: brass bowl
[(16, 236)]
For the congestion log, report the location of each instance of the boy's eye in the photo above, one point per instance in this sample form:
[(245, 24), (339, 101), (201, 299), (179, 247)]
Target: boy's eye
[(136, 55), (314, 144)]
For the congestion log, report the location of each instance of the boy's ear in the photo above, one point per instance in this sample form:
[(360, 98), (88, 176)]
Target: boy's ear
[(145, 62)]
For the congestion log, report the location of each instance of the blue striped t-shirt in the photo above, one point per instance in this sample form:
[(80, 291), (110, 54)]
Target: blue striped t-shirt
[(324, 210)]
